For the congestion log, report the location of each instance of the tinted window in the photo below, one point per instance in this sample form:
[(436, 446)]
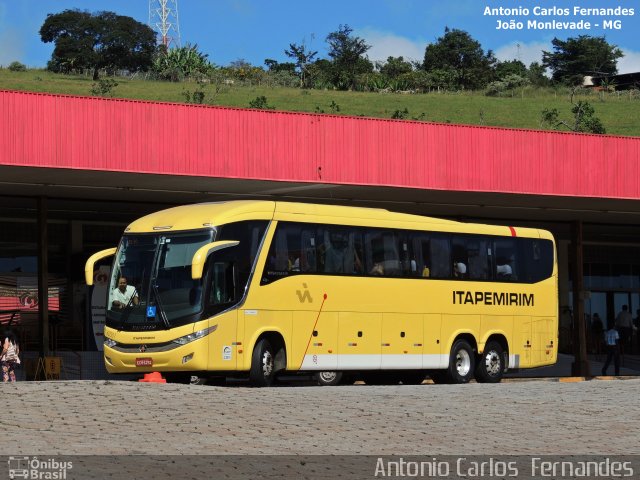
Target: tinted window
[(230, 268), (342, 250), (507, 264), (538, 255)]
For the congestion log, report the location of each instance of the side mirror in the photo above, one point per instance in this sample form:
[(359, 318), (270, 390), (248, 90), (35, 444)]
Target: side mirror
[(88, 266), (200, 257)]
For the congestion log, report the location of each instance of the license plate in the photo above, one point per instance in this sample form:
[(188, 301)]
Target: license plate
[(144, 362)]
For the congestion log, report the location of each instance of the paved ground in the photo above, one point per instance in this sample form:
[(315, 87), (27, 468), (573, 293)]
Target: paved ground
[(516, 417)]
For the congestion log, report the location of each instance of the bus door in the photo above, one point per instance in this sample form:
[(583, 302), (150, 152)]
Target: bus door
[(542, 334), (402, 341), (359, 341)]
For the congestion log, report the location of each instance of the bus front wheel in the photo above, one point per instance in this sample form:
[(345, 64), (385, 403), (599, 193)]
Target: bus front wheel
[(461, 362), (262, 370), (491, 364)]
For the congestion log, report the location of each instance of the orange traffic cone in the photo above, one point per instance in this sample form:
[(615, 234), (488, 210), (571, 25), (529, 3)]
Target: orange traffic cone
[(153, 377)]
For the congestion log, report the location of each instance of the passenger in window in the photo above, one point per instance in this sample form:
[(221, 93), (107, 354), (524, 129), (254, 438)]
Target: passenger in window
[(378, 269), (426, 271), (504, 271), (341, 256), (459, 270), (294, 264)]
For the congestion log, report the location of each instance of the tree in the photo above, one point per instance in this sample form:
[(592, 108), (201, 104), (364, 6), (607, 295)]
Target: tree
[(302, 58), (536, 75), (97, 41), (347, 55), (395, 66), (274, 66), (456, 50), (577, 57), (510, 67), (583, 118)]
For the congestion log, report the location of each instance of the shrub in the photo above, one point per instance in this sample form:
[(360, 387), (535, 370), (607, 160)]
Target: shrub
[(17, 67)]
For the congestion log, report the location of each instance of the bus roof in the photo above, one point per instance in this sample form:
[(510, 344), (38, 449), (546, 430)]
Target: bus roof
[(203, 215)]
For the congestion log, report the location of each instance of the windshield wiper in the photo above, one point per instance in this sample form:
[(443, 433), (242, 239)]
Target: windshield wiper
[(163, 315)]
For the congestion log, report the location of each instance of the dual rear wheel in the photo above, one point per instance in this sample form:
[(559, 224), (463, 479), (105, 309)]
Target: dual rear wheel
[(488, 368)]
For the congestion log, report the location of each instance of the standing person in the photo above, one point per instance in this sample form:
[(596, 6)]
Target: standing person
[(9, 357), (611, 339), (596, 332), (624, 325), (123, 293)]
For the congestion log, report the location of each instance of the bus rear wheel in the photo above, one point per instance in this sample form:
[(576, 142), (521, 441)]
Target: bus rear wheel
[(491, 364), (461, 362), (262, 371)]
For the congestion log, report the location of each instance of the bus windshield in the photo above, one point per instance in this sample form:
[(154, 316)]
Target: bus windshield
[(151, 286)]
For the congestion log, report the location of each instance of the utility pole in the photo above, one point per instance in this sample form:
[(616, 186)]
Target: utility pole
[(163, 19)]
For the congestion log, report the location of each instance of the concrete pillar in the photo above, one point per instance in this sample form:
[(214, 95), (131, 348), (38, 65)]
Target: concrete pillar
[(43, 276), (580, 366)]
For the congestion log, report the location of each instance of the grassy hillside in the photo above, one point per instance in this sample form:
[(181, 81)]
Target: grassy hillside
[(619, 112)]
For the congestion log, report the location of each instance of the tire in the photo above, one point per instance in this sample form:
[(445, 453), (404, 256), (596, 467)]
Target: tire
[(197, 380), (328, 378), (262, 371), (461, 362), (491, 364)]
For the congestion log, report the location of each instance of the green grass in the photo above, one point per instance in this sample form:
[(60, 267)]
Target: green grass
[(619, 112)]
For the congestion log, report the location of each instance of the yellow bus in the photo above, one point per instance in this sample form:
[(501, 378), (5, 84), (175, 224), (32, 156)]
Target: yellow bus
[(258, 288)]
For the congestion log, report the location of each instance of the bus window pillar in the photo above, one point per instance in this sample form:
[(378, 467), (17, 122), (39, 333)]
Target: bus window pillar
[(43, 276), (580, 366)]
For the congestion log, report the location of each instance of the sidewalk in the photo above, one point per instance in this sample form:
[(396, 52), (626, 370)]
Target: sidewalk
[(629, 365)]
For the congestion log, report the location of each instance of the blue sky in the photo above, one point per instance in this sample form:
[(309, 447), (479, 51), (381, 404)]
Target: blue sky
[(257, 29)]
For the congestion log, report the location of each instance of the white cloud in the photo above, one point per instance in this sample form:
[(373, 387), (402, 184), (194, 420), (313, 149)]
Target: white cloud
[(630, 63), (384, 45), (525, 52)]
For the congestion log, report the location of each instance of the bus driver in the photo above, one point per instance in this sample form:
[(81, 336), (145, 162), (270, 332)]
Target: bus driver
[(123, 293)]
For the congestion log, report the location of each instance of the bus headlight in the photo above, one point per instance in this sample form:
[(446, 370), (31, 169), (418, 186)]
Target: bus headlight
[(195, 335), (109, 343)]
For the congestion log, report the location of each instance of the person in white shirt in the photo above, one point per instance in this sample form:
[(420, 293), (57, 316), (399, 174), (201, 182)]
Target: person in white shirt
[(123, 295), (611, 339)]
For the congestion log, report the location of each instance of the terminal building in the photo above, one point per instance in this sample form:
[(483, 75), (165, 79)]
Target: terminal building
[(75, 171)]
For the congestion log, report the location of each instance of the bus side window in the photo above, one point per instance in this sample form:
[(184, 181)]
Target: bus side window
[(506, 260), (460, 257), (339, 251), (382, 251), (538, 259), (440, 257), (308, 251), (279, 254), (477, 250)]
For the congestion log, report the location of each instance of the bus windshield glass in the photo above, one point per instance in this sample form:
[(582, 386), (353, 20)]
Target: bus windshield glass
[(151, 286)]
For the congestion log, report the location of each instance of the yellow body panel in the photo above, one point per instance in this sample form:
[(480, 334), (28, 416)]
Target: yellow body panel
[(364, 322)]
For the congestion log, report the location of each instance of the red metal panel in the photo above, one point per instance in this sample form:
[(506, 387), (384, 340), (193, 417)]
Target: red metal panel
[(120, 135)]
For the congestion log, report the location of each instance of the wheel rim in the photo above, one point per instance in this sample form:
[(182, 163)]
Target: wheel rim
[(267, 364), (328, 377), (463, 363), (493, 363)]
